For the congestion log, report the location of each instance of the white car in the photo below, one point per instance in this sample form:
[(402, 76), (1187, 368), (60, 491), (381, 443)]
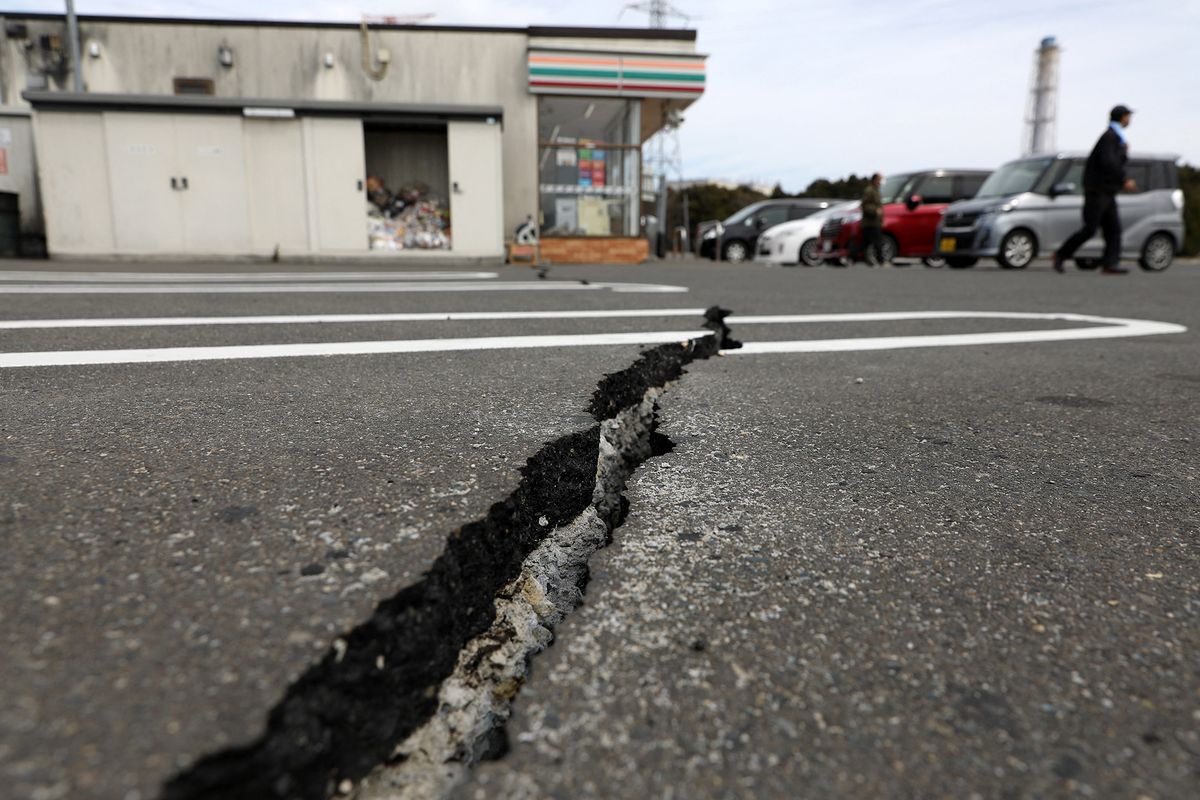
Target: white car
[(795, 242)]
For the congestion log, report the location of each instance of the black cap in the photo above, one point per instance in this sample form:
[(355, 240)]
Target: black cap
[(1118, 112)]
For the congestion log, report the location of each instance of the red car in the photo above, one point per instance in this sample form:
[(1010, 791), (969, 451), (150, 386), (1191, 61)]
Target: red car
[(913, 206)]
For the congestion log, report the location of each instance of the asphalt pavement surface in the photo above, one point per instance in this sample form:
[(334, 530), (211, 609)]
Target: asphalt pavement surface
[(945, 567)]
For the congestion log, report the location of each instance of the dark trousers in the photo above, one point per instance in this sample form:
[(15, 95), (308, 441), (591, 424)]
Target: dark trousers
[(1099, 211), (872, 236)]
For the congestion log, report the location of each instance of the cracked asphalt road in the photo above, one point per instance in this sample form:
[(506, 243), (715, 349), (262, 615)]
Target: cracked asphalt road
[(974, 571)]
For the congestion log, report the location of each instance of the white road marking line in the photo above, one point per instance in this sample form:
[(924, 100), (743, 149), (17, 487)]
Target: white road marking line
[(1109, 328), (892, 316), (1101, 328), (307, 319), (430, 286), (165, 354), (473, 316), (34, 276)]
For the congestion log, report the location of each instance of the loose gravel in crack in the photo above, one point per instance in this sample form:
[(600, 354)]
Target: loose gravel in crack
[(380, 683)]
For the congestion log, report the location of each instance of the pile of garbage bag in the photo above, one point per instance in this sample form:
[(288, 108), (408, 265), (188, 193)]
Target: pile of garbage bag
[(413, 218)]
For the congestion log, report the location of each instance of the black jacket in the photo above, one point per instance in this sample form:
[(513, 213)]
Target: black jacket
[(1105, 168)]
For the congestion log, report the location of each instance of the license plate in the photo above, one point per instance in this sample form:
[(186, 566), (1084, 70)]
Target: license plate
[(948, 245), (826, 246)]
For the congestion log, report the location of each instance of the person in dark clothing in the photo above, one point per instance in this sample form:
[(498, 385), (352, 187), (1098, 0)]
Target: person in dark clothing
[(872, 222), (1103, 178)]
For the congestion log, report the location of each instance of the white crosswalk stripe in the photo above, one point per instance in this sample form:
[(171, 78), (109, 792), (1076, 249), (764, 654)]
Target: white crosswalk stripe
[(1086, 326)]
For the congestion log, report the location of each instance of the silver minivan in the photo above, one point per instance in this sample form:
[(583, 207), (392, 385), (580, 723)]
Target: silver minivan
[(1030, 206)]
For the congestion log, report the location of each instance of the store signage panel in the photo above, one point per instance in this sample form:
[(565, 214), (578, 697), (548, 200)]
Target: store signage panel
[(615, 75)]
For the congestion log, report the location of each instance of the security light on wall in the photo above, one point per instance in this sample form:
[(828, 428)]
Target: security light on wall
[(328, 61), (225, 55), (94, 49)]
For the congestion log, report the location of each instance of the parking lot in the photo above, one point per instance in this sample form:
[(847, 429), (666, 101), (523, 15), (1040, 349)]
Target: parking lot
[(924, 533)]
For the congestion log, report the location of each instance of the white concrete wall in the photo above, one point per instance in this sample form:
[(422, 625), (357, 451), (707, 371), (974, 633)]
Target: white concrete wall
[(75, 188)]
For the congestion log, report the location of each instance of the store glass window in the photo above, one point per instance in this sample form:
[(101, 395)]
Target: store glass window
[(589, 165)]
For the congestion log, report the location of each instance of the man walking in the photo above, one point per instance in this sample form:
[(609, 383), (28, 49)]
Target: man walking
[(1103, 178), (872, 222)]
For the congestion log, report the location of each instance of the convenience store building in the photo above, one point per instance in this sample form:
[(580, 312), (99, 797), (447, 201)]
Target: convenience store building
[(225, 138)]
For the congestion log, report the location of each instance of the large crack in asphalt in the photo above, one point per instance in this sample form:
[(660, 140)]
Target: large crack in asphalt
[(424, 684)]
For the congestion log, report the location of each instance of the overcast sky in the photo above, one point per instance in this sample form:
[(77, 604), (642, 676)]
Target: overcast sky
[(799, 90)]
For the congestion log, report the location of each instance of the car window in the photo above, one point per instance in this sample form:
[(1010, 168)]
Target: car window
[(835, 210), (1071, 173), (968, 186), (742, 215), (1170, 175), (1015, 177), (1162, 176), (772, 215), (895, 188), (936, 189), (1158, 176), (800, 212), (1139, 172)]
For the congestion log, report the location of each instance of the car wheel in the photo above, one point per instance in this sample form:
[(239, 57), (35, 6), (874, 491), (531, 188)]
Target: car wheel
[(1087, 263), (736, 252), (935, 262), (890, 249), (961, 262), (808, 254), (1017, 249), (1157, 253)]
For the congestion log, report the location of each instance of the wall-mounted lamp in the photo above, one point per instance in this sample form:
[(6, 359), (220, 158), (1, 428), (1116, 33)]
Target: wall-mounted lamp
[(94, 49), (225, 55), (328, 61)]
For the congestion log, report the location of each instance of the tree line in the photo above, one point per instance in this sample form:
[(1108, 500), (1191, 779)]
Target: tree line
[(709, 201)]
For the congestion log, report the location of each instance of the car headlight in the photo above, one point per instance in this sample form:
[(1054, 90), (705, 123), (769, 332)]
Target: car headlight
[(711, 233)]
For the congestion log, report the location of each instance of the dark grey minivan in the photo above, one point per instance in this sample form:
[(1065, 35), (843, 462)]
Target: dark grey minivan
[(1030, 206)]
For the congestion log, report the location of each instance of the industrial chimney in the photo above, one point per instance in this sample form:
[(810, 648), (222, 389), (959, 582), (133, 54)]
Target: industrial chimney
[(1041, 115)]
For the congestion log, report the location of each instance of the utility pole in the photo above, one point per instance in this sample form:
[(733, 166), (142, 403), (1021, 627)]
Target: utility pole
[(659, 11), (73, 43), (662, 162), (1041, 116)]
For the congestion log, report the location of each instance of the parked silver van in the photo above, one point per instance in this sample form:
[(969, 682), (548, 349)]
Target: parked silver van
[(1030, 206)]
